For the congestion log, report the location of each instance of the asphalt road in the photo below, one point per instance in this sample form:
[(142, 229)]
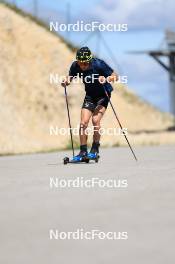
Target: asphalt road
[(144, 208)]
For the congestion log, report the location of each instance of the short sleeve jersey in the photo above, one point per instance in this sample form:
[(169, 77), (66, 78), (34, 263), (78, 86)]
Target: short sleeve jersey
[(90, 77)]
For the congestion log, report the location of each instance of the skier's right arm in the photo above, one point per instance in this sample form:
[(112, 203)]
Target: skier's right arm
[(72, 73)]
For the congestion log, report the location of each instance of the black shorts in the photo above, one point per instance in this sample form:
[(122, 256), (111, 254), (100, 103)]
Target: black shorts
[(91, 103)]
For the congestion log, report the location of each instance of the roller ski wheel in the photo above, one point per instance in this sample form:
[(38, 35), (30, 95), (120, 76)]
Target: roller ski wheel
[(66, 160), (86, 160), (96, 160)]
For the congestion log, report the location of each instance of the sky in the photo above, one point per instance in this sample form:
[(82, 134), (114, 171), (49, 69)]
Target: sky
[(147, 21), (142, 14)]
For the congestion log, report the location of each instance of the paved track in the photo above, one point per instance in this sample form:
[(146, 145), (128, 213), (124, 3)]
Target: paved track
[(29, 208)]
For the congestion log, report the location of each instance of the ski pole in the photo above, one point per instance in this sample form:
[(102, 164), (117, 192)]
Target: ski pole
[(68, 113), (119, 123)]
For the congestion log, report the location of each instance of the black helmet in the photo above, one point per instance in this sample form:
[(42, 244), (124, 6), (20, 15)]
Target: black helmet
[(84, 54)]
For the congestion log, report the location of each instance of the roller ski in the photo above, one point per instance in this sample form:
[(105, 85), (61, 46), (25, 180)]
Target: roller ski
[(84, 156), (81, 157)]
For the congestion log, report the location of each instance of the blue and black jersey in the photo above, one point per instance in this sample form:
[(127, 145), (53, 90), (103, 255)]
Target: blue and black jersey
[(90, 77)]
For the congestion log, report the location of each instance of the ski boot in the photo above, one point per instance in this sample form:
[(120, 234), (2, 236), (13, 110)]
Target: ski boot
[(94, 152), (81, 157)]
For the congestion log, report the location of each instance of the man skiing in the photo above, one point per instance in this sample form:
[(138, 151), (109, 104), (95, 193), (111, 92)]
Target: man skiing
[(96, 75)]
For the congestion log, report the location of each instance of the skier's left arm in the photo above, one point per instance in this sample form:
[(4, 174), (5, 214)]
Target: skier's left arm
[(107, 73), (111, 78)]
